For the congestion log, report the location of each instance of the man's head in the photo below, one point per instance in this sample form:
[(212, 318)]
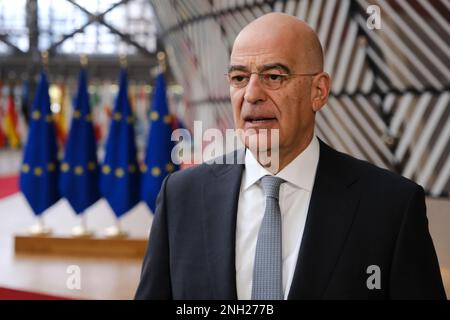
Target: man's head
[(277, 44)]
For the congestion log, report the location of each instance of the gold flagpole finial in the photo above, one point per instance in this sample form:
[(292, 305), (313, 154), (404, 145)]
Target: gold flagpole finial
[(83, 60), (44, 56), (123, 61), (161, 61)]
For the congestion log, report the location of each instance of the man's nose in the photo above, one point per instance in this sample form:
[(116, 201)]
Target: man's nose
[(254, 91)]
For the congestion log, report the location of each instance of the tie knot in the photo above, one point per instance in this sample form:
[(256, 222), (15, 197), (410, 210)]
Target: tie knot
[(271, 186)]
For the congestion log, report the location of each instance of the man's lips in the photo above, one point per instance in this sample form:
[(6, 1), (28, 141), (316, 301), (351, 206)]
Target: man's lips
[(259, 122), (259, 119)]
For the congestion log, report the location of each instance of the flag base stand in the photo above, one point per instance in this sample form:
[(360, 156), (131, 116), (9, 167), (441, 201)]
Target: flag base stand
[(115, 232), (93, 247), (40, 230), (81, 232)]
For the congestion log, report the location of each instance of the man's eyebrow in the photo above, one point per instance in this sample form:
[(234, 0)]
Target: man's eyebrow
[(278, 66), (237, 68), (265, 67)]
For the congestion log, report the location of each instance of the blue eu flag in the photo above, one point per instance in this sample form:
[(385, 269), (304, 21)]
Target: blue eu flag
[(79, 170), (158, 163), (120, 177), (39, 172)]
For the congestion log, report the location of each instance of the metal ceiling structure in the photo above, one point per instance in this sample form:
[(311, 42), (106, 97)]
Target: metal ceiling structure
[(390, 100), (103, 30)]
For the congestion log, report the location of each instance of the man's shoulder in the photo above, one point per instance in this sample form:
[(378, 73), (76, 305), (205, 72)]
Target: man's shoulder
[(207, 170), (368, 172)]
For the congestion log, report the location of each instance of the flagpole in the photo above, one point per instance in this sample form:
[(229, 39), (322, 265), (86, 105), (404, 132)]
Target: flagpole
[(118, 225), (158, 160), (115, 231), (40, 168), (39, 229), (83, 220)]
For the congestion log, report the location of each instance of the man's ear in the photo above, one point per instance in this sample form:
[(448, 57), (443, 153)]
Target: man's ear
[(320, 88)]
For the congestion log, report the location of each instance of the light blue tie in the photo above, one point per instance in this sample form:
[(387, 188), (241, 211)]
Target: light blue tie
[(267, 271)]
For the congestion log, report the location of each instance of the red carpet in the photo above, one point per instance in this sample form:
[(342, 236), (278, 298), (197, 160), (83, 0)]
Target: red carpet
[(10, 294), (8, 186)]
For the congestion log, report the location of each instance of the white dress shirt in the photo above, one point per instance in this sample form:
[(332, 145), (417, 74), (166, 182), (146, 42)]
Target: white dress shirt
[(295, 195)]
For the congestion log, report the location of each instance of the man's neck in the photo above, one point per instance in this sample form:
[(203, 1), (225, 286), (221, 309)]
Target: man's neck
[(275, 161)]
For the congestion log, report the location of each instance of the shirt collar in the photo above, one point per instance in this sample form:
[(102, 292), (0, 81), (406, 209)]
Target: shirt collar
[(300, 172)]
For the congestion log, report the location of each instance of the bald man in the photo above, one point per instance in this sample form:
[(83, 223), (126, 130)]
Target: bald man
[(318, 225)]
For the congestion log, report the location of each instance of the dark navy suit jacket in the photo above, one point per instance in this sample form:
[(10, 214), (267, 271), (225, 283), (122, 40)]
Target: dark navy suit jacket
[(359, 216)]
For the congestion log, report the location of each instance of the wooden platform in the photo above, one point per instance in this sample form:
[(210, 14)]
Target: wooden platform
[(80, 247)]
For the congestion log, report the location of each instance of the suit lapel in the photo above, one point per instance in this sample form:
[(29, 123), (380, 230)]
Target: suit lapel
[(220, 198), (334, 201)]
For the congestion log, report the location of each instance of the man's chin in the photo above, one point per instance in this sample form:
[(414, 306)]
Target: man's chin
[(261, 139)]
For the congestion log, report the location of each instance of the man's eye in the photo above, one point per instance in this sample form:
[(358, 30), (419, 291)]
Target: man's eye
[(273, 77), (238, 78)]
